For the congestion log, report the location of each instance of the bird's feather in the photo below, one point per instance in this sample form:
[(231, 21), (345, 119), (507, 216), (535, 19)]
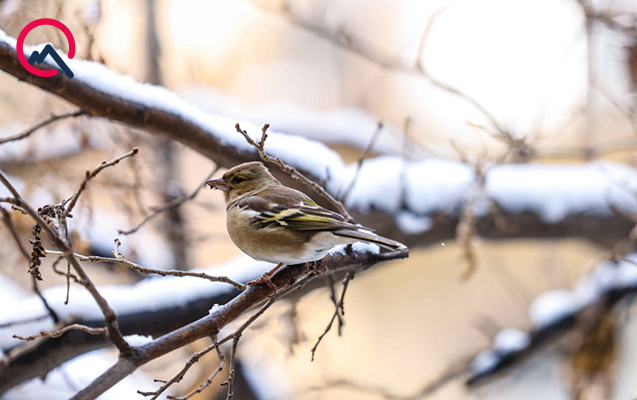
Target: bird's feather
[(299, 213)]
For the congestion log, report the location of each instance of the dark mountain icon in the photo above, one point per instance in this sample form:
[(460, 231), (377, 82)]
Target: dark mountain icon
[(37, 57)]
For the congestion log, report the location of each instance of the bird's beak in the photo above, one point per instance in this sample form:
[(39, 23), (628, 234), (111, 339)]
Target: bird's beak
[(217, 184)]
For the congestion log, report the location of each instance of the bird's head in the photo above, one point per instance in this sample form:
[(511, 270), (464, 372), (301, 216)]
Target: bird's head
[(243, 180)]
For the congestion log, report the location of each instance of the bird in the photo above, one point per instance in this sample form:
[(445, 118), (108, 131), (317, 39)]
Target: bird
[(271, 222)]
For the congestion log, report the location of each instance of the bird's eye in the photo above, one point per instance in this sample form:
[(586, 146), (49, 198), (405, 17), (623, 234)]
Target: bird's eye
[(237, 180)]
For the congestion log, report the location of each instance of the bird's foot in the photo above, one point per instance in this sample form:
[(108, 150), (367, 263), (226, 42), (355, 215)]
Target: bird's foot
[(266, 278), (311, 266)]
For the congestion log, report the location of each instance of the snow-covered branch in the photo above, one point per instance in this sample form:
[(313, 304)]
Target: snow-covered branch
[(416, 202), (555, 312), (144, 309)]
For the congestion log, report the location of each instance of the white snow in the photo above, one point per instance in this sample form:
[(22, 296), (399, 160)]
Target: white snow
[(556, 304), (349, 126), (214, 309), (66, 380), (58, 140), (100, 228), (484, 362), (10, 291), (389, 183), (377, 185), (552, 306), (361, 247), (138, 340), (265, 375), (511, 340), (554, 191), (149, 294), (413, 224), (437, 185)]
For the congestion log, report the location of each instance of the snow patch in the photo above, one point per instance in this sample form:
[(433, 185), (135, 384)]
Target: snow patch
[(138, 340), (511, 340)]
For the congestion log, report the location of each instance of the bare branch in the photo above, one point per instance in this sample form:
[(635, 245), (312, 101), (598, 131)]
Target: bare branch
[(206, 139), (171, 204), (330, 284), (360, 161), (60, 332), (235, 341), (339, 309), (295, 174), (24, 321), (180, 375), (71, 201), (203, 386), (427, 389), (357, 46), (120, 259), (109, 316), (6, 219), (40, 125), (288, 280)]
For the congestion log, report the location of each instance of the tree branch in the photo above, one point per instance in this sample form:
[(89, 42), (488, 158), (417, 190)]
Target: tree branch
[(114, 333), (154, 110), (294, 277), (40, 125)]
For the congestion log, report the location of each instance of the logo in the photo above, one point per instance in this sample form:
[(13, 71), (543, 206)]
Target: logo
[(38, 57)]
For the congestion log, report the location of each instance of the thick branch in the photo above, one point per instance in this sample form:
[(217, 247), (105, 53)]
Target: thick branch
[(159, 112), (154, 320), (287, 280)]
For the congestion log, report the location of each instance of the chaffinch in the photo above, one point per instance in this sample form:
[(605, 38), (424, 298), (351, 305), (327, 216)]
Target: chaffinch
[(272, 222)]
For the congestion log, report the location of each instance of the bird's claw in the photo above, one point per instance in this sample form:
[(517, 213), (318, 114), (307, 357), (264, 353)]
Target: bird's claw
[(264, 279)]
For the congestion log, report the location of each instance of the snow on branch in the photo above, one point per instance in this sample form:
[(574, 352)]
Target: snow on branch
[(144, 309), (416, 202), (555, 312)]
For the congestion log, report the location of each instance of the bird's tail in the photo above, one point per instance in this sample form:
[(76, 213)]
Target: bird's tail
[(370, 237)]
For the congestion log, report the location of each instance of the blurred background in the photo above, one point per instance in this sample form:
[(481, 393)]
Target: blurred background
[(490, 81)]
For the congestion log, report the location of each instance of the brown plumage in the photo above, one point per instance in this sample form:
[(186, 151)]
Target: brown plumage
[(278, 224)]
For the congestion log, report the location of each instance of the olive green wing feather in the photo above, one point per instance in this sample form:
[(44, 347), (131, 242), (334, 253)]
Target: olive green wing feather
[(300, 213)]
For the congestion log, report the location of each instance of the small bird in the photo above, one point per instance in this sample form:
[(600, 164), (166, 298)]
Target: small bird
[(272, 222)]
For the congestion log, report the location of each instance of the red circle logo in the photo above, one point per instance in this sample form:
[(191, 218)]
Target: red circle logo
[(25, 32)]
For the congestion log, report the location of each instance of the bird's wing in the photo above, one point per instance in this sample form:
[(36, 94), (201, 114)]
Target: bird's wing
[(291, 209)]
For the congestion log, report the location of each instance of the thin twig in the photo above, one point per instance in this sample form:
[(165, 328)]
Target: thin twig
[(203, 386), (427, 389), (58, 333), (171, 204), (295, 174), (236, 336), (41, 124), (356, 46), (329, 280), (68, 276), (114, 334), (180, 375), (339, 309), (24, 321), (361, 160), (71, 201), (120, 259), (195, 357), (6, 219)]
